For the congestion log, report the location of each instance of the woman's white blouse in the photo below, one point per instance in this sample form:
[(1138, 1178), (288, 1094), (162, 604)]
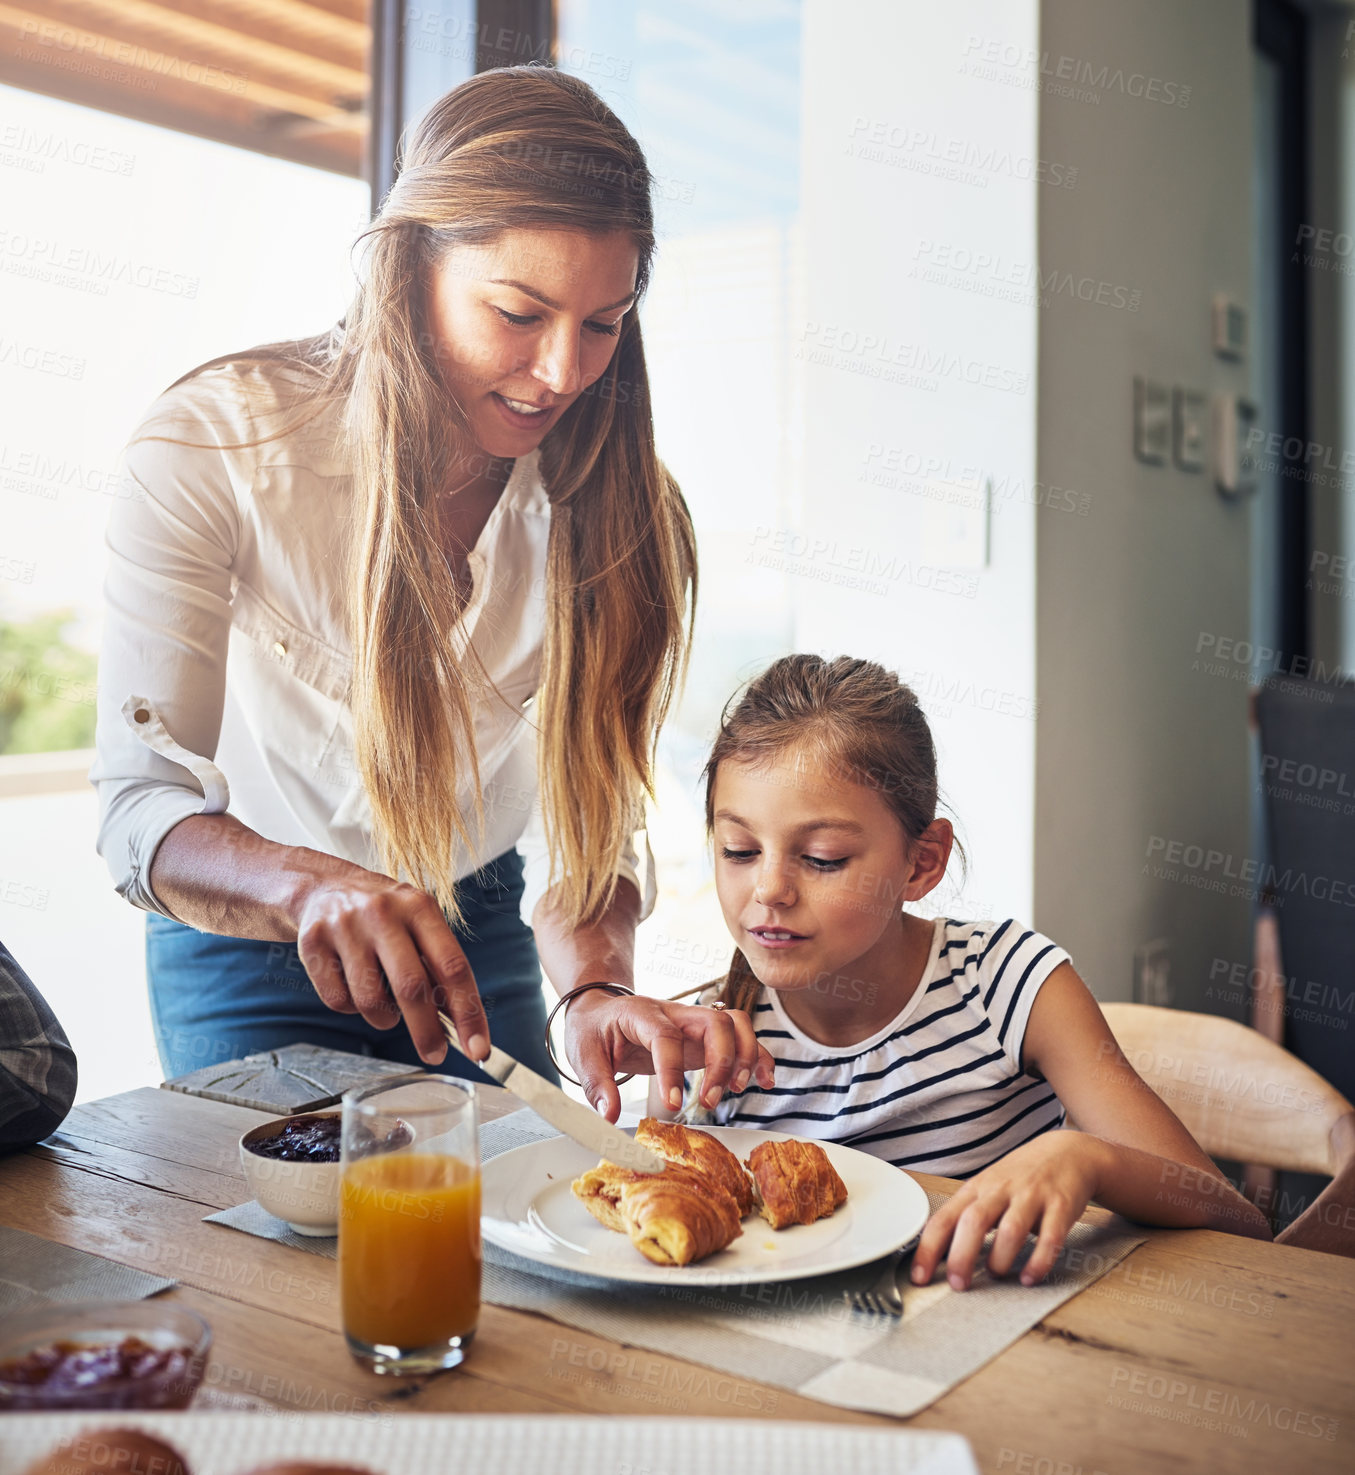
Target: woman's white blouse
[(224, 677)]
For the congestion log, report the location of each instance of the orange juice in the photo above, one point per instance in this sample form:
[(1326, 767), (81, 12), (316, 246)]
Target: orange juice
[(409, 1249)]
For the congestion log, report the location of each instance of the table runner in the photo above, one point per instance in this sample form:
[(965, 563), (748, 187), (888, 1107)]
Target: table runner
[(796, 1335), (35, 1271), (517, 1444)]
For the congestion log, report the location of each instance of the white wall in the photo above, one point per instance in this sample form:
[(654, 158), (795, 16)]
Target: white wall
[(76, 938), (1142, 739), (920, 372)]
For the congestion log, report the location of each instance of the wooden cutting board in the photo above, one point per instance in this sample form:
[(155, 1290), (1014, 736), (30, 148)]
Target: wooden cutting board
[(294, 1078)]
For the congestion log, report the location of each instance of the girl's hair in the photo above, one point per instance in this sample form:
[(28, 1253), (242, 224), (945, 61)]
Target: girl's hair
[(525, 147), (844, 716)]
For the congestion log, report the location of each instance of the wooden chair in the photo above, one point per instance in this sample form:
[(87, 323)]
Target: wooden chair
[(1246, 1099)]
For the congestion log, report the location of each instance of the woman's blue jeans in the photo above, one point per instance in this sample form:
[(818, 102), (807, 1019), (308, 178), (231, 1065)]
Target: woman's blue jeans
[(221, 998)]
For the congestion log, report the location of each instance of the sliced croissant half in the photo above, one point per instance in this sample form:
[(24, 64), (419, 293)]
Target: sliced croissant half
[(695, 1149), (796, 1183), (672, 1218)]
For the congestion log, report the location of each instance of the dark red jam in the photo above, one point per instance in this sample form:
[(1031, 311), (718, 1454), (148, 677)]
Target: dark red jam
[(315, 1139), (305, 1139), (126, 1374)]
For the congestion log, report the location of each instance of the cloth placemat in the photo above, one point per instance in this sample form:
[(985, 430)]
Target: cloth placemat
[(253, 1218), (500, 1444), (800, 1335), (35, 1272), (796, 1335)]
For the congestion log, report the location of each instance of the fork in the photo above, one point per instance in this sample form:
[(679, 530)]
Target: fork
[(882, 1298)]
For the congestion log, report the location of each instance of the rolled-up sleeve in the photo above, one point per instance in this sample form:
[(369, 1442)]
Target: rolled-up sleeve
[(37, 1064), (536, 867), (172, 539)]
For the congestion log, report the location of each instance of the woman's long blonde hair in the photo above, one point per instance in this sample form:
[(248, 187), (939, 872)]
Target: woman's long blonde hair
[(523, 147)]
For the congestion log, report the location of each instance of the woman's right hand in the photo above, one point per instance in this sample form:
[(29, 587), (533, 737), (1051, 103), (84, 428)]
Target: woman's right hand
[(355, 930), (358, 932), (607, 1035)]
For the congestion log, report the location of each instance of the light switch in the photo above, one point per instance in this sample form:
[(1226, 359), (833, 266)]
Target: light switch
[(1230, 328), (1190, 411), (1234, 453), (1152, 421)]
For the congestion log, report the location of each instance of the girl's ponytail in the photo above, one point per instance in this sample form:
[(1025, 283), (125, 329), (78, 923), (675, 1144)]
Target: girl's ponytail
[(740, 987)]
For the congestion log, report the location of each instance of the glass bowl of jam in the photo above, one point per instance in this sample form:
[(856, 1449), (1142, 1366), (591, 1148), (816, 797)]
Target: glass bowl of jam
[(102, 1355)]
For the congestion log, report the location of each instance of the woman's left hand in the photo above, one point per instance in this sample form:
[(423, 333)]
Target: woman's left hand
[(605, 1035), (1041, 1187)]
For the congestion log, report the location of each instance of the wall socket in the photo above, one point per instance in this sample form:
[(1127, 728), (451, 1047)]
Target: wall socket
[(1153, 973)]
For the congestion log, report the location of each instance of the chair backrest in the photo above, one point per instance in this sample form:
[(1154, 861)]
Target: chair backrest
[(1242, 1097), (1308, 774)]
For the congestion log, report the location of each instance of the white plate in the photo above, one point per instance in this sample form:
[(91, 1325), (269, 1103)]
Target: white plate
[(527, 1207)]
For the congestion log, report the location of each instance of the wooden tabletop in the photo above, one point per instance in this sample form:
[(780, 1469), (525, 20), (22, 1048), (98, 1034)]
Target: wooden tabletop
[(1200, 1351)]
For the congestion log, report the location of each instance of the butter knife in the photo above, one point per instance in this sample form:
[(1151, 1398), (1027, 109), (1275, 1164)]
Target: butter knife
[(575, 1120)]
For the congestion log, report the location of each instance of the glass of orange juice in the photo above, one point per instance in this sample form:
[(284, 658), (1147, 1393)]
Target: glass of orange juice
[(409, 1224)]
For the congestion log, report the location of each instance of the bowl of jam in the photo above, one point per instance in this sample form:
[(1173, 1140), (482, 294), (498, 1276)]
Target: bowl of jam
[(102, 1355), (292, 1168)]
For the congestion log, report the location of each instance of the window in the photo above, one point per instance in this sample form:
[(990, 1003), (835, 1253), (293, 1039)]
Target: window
[(287, 78), (128, 254), (712, 93)]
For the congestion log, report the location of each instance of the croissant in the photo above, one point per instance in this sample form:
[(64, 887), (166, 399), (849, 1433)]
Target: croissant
[(99, 1451), (672, 1218), (599, 1191), (795, 1181), (701, 1151)]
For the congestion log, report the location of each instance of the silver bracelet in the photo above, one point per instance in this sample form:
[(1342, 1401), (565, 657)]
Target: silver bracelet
[(560, 1003)]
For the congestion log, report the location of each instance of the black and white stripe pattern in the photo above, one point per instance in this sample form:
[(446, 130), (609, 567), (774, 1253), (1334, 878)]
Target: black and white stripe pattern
[(941, 1087)]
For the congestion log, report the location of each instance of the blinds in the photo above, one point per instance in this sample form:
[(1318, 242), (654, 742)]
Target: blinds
[(283, 77)]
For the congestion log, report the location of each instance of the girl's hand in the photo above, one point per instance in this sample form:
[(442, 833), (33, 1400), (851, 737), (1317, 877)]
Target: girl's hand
[(1042, 1186), (607, 1035)]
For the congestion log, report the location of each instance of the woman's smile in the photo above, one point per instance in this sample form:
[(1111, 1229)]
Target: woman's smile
[(521, 414)]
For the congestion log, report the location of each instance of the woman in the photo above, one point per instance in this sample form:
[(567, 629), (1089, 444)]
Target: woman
[(345, 569)]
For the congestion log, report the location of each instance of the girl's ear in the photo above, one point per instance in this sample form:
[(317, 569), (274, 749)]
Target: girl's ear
[(931, 856)]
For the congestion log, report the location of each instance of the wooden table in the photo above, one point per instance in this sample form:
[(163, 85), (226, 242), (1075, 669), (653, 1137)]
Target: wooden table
[(1201, 1351)]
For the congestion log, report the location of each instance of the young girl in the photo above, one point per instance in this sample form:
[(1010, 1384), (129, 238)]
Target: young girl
[(956, 1048)]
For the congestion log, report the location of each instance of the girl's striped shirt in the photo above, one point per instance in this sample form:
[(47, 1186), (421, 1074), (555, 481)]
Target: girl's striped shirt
[(941, 1087)]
